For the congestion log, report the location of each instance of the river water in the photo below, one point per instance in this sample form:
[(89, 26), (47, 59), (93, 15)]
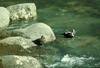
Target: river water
[(82, 51)]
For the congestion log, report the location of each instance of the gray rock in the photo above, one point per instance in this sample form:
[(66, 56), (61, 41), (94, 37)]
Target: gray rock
[(4, 33), (15, 45), (4, 17), (23, 42), (22, 11), (14, 61), (37, 30)]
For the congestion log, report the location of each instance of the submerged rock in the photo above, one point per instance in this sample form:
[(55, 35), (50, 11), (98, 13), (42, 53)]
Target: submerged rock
[(14, 61), (22, 11), (4, 17), (35, 31), (15, 44)]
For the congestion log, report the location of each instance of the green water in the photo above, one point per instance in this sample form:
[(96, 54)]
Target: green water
[(86, 42), (83, 17)]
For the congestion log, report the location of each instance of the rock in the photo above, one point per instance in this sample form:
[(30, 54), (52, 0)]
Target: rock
[(35, 31), (22, 11), (4, 33), (15, 45), (23, 42), (14, 61), (4, 17)]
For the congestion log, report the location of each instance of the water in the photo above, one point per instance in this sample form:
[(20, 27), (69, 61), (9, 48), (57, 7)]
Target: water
[(72, 61), (80, 52)]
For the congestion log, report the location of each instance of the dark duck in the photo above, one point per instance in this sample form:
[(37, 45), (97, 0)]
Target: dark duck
[(40, 41), (69, 34)]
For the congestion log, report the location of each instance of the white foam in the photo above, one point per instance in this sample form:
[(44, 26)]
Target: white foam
[(68, 61), (73, 60), (53, 65)]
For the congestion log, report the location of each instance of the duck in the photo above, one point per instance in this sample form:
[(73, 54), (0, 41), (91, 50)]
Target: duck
[(69, 34), (40, 41)]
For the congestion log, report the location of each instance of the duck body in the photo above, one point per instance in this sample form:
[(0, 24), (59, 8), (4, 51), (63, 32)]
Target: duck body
[(69, 34), (38, 42)]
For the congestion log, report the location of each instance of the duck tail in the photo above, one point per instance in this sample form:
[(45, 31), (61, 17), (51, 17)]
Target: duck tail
[(74, 32)]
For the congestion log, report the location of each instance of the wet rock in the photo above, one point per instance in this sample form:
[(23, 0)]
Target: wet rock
[(22, 11), (4, 17), (14, 61), (35, 31), (15, 45)]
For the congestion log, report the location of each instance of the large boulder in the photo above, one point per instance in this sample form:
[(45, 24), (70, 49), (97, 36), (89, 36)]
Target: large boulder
[(14, 61), (15, 45), (4, 17), (35, 31), (22, 11), (4, 33)]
